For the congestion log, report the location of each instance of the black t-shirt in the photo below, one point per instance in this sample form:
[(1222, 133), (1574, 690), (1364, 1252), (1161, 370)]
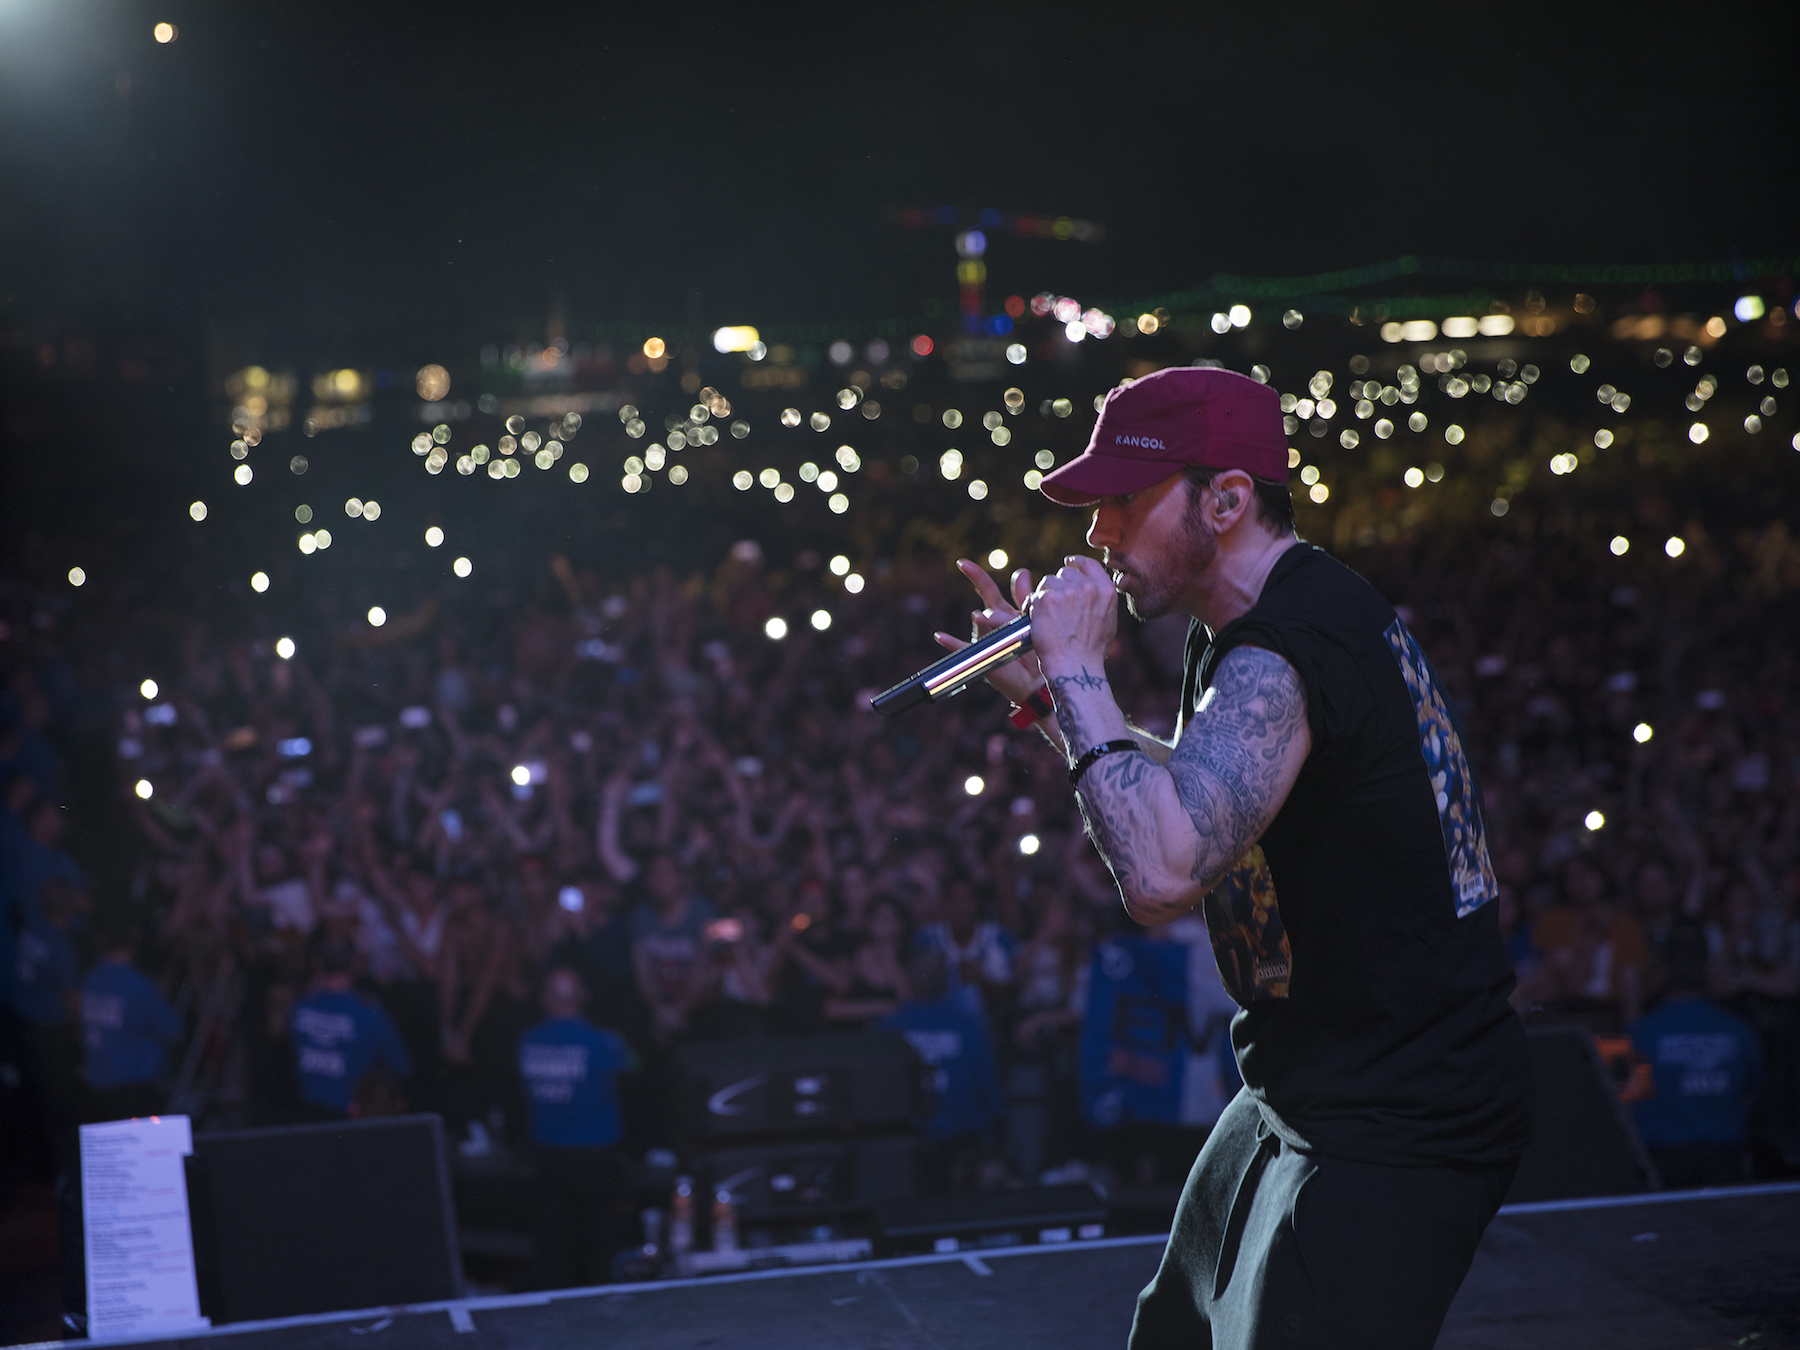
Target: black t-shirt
[(1358, 934)]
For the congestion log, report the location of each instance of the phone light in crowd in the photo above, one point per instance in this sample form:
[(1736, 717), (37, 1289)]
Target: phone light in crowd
[(974, 785), (284, 648), (1676, 546), (571, 899), (1029, 844), (521, 775), (77, 576), (821, 619), (998, 559), (1594, 820), (1620, 546), (164, 33), (433, 537), (840, 566), (734, 338), (197, 510), (462, 567), (1642, 732), (149, 690), (776, 628), (143, 789), (377, 616)]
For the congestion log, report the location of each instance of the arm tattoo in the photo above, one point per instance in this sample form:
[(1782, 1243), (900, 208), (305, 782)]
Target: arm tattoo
[(1229, 777), (1074, 737), (1228, 771)]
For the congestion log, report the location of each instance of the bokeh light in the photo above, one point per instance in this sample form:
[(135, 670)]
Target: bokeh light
[(1642, 732), (77, 577), (284, 648), (144, 789), (1620, 546), (259, 582), (1675, 546), (821, 619), (974, 785), (164, 33), (433, 536), (1594, 820), (149, 689), (197, 510), (998, 559), (776, 628), (462, 567), (1029, 844), (433, 383), (243, 474), (377, 616)]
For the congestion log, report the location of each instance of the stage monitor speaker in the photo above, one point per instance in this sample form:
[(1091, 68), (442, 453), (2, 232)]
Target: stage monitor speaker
[(1584, 1144), (322, 1218), (1035, 1214), (812, 1178), (862, 1081)]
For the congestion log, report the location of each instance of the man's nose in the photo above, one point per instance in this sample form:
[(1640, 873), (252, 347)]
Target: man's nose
[(1103, 530)]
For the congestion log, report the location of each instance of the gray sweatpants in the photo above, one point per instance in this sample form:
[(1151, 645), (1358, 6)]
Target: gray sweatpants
[(1275, 1247)]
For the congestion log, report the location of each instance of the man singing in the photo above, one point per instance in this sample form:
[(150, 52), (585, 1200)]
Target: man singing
[(1318, 803)]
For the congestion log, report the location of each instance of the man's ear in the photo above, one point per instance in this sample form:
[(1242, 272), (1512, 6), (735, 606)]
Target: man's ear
[(1234, 491)]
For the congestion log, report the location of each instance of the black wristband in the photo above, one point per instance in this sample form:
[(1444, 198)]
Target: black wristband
[(1086, 762)]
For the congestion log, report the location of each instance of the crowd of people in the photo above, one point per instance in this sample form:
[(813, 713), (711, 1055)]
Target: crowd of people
[(597, 818)]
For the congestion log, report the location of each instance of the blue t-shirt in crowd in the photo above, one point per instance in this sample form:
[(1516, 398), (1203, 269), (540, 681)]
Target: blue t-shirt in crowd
[(127, 1027), (953, 1042), (47, 970), (568, 1065), (337, 1039), (1705, 1062)]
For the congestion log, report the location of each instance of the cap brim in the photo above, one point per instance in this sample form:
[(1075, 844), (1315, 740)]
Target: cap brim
[(1088, 477)]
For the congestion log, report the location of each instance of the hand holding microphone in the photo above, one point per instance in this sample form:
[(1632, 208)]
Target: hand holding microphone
[(1018, 678), (1001, 651)]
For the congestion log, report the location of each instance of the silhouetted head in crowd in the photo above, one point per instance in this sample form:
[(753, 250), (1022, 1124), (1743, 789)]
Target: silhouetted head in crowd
[(336, 960), (962, 908), (1686, 956), (664, 880), (1583, 885), (564, 994), (47, 822), (116, 933)]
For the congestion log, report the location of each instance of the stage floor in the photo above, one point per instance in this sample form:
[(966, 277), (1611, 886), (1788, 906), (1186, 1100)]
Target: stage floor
[(1685, 1271)]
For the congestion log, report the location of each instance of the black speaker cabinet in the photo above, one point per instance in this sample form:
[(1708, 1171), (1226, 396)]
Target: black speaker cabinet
[(863, 1081), (1584, 1144), (812, 1178), (322, 1218), (950, 1223)]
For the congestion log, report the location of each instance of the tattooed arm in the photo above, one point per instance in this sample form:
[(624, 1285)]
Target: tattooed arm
[(1170, 831)]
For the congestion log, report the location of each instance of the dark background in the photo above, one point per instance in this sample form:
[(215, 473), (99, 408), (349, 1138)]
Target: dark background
[(392, 178)]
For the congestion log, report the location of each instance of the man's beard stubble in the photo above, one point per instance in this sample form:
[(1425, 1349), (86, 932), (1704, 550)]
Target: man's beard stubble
[(1156, 594)]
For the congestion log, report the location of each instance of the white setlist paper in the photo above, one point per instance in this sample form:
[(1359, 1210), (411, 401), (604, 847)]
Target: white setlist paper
[(140, 1249)]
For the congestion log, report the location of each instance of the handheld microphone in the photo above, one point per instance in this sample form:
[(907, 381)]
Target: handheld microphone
[(959, 669)]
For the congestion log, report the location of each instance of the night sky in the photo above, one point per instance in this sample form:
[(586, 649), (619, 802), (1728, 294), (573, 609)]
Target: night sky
[(392, 177)]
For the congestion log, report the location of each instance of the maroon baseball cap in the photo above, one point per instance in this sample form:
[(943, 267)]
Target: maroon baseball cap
[(1169, 420)]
